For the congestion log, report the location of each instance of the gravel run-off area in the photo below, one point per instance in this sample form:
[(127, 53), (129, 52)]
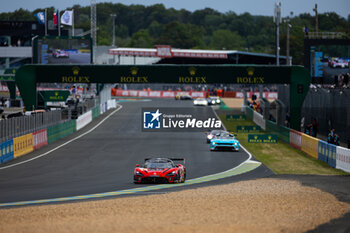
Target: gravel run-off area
[(262, 205)]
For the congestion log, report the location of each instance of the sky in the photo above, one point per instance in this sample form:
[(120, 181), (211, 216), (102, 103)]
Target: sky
[(254, 7)]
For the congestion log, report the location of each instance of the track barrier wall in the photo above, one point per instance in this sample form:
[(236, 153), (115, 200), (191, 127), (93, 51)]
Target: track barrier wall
[(336, 156), (327, 153), (39, 138), (281, 131), (83, 120), (295, 139), (343, 159), (95, 112), (249, 112), (23, 145), (6, 151), (259, 120), (59, 131), (309, 145), (156, 94)]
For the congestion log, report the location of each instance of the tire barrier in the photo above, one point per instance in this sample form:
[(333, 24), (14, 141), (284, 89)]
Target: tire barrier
[(6, 151), (39, 139), (23, 145), (327, 153), (84, 119), (343, 159), (295, 139)]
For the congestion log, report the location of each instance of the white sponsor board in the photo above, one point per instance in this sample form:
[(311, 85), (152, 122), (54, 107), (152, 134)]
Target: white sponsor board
[(111, 104), (295, 139), (84, 119), (160, 94), (268, 95), (343, 159), (259, 120)]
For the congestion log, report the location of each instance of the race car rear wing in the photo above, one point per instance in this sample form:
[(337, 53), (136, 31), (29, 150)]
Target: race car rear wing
[(173, 159), (178, 159)]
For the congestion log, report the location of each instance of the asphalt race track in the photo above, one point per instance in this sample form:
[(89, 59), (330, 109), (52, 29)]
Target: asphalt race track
[(104, 159)]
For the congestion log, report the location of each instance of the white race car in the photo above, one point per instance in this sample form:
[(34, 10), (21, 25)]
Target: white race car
[(200, 102)]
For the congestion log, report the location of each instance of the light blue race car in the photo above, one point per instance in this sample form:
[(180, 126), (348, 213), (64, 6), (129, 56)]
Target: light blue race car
[(224, 141)]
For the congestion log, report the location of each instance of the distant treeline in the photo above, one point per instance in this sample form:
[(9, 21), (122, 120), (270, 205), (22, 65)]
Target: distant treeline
[(145, 26)]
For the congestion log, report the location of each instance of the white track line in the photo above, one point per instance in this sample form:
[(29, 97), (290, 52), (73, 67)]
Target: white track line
[(58, 147), (250, 155)]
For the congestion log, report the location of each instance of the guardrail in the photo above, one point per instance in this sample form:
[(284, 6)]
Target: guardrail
[(21, 125), (36, 136), (336, 156)]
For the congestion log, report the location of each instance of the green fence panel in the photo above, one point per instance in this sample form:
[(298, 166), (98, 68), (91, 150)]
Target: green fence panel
[(281, 131), (59, 131), (249, 112), (95, 112)]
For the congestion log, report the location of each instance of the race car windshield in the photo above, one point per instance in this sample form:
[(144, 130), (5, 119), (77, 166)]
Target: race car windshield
[(158, 165)]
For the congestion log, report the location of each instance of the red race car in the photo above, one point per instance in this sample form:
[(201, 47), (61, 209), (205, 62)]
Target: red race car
[(160, 170)]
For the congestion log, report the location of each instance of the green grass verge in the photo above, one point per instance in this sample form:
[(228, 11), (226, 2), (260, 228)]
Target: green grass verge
[(280, 157)]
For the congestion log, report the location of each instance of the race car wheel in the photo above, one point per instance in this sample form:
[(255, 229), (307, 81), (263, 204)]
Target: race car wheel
[(183, 178), (177, 178)]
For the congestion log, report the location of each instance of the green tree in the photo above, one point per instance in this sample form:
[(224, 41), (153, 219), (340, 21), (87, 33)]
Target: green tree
[(155, 29), (181, 35), (225, 39), (141, 39)]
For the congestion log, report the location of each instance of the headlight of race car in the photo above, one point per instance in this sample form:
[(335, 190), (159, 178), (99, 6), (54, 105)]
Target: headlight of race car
[(235, 143), (210, 136), (214, 143), (171, 173), (139, 173)]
